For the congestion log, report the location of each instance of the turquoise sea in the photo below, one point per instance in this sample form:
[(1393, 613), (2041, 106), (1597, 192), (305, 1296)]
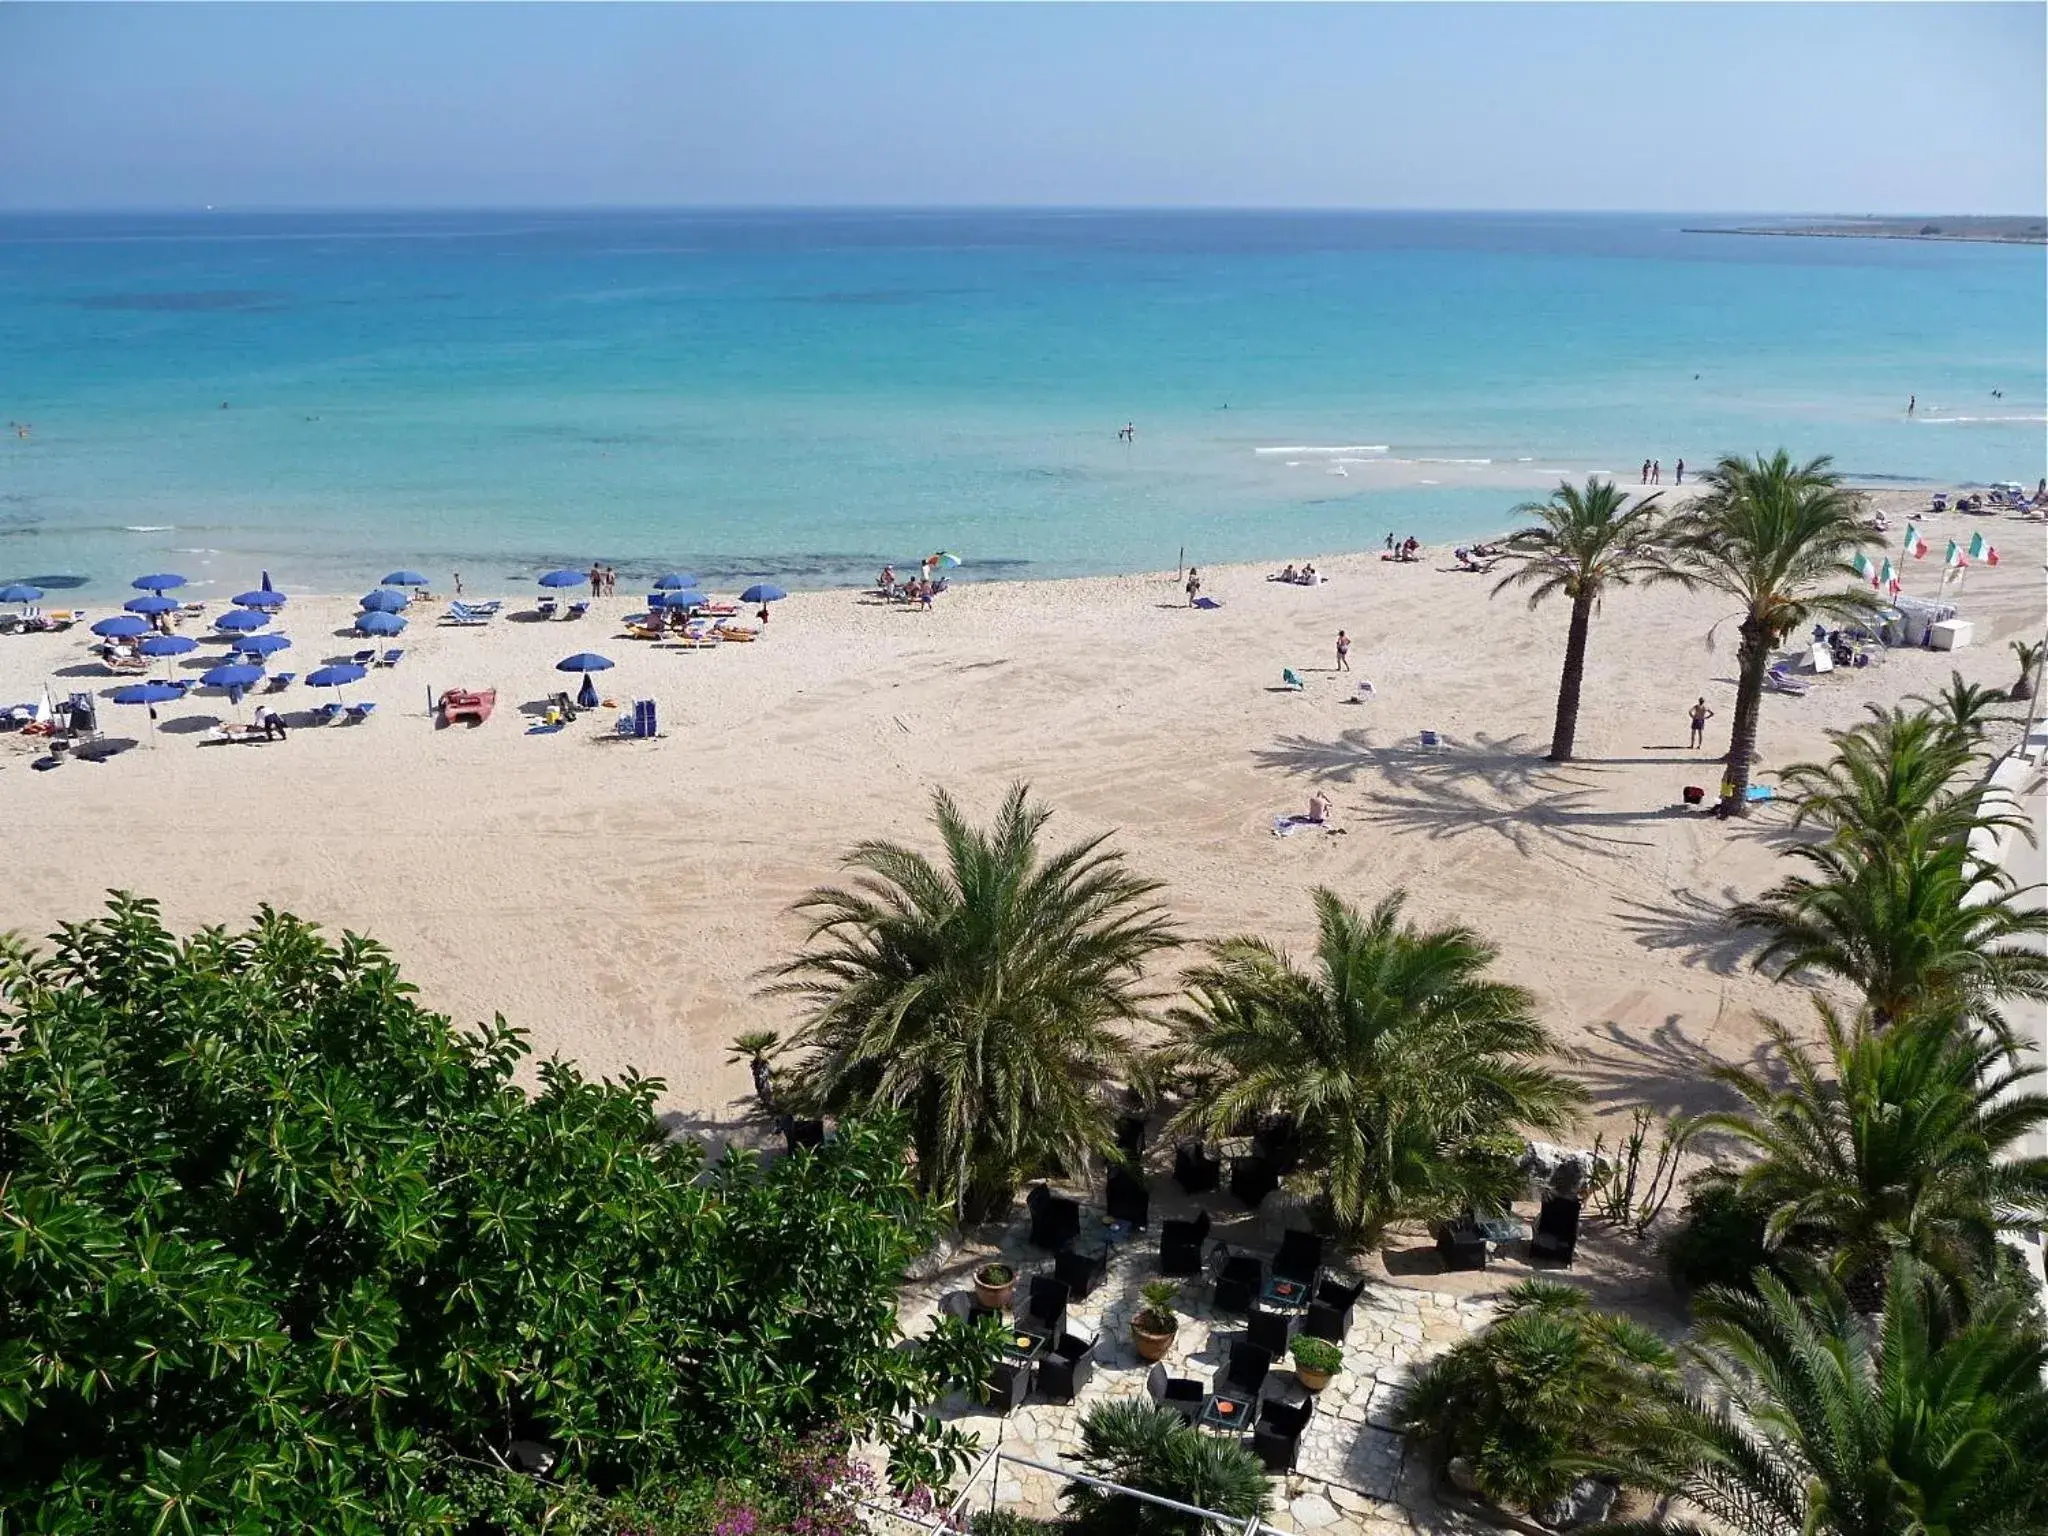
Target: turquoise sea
[(806, 394)]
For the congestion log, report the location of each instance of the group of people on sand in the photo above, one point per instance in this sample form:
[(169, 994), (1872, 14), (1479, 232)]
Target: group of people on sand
[(604, 581), (1653, 472), (920, 589), (1306, 575), (1404, 551)]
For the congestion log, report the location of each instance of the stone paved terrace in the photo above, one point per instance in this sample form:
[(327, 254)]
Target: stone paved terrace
[(1353, 1476)]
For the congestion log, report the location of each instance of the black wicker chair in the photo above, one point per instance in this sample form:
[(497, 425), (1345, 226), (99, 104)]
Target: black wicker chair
[(1329, 1315), (1269, 1330), (802, 1133), (1462, 1245), (1127, 1199), (1176, 1394), (1055, 1220), (1195, 1168), (1130, 1135), (961, 1304), (1300, 1258), (1276, 1451), (1252, 1179), (1556, 1237), (1180, 1245), (1247, 1368), (1008, 1384), (1287, 1405), (1278, 1141), (1066, 1367), (1238, 1284), (1045, 1306), (1081, 1272)]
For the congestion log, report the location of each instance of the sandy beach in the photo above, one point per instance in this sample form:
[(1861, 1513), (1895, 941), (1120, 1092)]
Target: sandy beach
[(619, 899)]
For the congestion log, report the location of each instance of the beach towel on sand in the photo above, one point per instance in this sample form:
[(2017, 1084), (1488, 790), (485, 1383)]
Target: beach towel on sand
[(1207, 602), (1287, 826)]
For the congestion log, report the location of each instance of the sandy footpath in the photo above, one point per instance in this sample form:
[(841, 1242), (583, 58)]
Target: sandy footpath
[(618, 899)]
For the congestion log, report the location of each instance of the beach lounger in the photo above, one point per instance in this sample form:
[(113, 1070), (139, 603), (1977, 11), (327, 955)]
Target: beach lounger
[(1432, 741), (735, 632), (465, 613), (358, 713), (328, 713), (279, 681), (393, 657), (1778, 680), (545, 607), (577, 610), (365, 658)]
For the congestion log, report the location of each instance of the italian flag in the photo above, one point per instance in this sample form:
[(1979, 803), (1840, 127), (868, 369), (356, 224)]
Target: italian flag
[(1890, 579), (1955, 556), (1915, 545), (1979, 550), (1865, 569)]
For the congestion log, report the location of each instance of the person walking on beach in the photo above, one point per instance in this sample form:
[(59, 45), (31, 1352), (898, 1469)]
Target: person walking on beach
[(1194, 585), (1656, 471), (611, 582), (1343, 651), (1700, 716), (596, 579), (1646, 471), (1679, 478)]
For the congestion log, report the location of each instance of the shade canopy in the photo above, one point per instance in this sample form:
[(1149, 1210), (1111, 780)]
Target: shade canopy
[(163, 581), (169, 645), (687, 598), (405, 579), (383, 600), (155, 603), (241, 620), (376, 623), (674, 581), (21, 592), (235, 674), (565, 578), (147, 693), (259, 645), (334, 676), (121, 625), (262, 597), (763, 592), (584, 661)]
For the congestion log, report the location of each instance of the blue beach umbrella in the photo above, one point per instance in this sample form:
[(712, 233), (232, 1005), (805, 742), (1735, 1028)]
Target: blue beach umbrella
[(688, 598), (763, 592), (259, 645), (151, 694), (235, 674), (163, 581), (151, 604), (376, 623), (21, 592), (383, 600), (241, 621), (121, 626), (262, 597), (169, 645), (675, 581), (334, 676), (565, 578), (584, 661), (405, 579)]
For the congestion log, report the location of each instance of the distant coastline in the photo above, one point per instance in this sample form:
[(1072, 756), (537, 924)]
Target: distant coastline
[(1973, 228)]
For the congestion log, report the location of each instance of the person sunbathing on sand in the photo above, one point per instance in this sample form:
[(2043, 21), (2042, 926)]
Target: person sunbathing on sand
[(1319, 808)]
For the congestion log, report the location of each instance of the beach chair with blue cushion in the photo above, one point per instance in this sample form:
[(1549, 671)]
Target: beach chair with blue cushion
[(577, 610), (365, 658), (358, 713), (393, 656), (464, 613), (279, 681), (328, 713), (545, 607)]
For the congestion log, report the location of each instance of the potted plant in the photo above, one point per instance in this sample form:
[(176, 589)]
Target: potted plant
[(1316, 1361), (1155, 1323), (994, 1285)]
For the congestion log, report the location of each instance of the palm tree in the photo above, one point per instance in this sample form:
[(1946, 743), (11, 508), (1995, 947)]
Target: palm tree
[(756, 1047), (1548, 1384), (1910, 1147), (1963, 707), (1892, 773), (1585, 542), (980, 997), (1397, 1057), (1915, 923), (2029, 654), (1136, 1445), (1772, 535), (1926, 1423)]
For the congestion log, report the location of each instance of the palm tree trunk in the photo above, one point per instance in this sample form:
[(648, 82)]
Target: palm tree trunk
[(1753, 661), (1566, 727)]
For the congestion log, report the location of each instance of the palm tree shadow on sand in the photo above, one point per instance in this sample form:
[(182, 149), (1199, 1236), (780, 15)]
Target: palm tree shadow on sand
[(1696, 928), (1482, 784), (1665, 1070)]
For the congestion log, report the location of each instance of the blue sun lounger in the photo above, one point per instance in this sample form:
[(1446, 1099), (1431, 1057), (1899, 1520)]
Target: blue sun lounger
[(358, 713)]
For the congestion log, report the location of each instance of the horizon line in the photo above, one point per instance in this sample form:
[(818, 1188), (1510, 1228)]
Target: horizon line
[(1329, 209)]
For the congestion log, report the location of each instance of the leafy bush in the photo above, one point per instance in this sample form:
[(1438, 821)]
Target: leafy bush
[(286, 1251), (1314, 1354), (1720, 1236), (1156, 1314), (1548, 1385), (1153, 1451)]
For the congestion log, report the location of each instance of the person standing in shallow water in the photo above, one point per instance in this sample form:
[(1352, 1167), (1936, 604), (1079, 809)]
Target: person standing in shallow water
[(1194, 585), (1679, 478)]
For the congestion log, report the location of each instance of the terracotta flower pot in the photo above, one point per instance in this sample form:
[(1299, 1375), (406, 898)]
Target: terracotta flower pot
[(1315, 1381), (1151, 1345), (993, 1294)]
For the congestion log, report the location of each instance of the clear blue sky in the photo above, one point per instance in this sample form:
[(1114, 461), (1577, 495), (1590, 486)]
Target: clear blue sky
[(1822, 108)]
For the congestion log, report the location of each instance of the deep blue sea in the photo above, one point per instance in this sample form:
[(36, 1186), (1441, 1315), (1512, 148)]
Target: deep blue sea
[(806, 394)]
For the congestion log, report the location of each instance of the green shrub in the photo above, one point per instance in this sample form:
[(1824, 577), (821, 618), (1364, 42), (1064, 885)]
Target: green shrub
[(1720, 1236), (1314, 1354), (1550, 1383), (1153, 1451), (287, 1252)]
